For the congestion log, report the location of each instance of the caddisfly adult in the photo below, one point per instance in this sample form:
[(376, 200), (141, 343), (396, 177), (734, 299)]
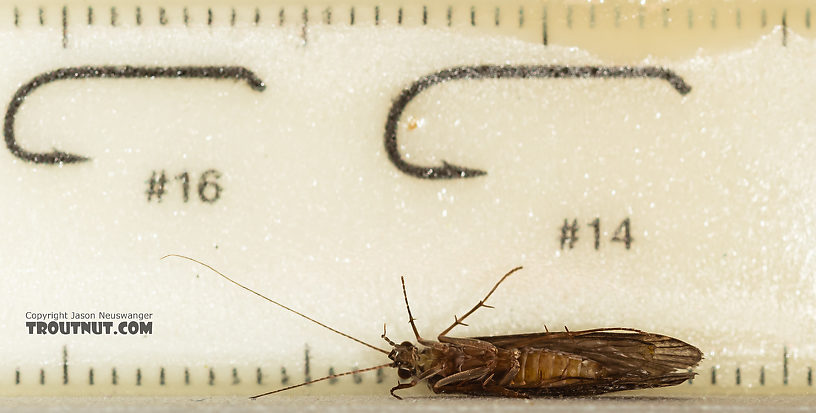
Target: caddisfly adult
[(570, 363)]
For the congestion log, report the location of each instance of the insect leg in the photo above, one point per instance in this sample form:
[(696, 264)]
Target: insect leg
[(523, 364), (458, 321), (463, 376), (505, 392), (411, 317), (401, 386), (470, 342), (479, 390), (414, 381), (511, 374)]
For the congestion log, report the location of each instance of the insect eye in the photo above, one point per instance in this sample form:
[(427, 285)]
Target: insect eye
[(404, 373), (406, 344)]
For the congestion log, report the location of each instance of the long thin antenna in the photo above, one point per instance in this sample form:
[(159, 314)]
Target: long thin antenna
[(276, 303), (382, 366)]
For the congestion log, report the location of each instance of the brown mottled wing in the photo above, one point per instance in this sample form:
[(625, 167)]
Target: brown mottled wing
[(634, 359), (587, 388)]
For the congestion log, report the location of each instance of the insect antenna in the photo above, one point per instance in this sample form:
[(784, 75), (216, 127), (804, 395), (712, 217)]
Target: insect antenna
[(331, 376), (277, 303)]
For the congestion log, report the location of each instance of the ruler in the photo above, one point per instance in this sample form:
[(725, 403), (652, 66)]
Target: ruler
[(648, 163)]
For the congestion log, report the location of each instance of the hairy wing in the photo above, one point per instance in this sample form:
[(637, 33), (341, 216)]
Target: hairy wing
[(573, 389), (624, 352)]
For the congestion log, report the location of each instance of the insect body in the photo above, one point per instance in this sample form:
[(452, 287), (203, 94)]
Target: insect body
[(577, 363), (571, 363)]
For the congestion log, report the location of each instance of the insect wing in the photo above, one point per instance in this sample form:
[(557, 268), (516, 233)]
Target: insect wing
[(625, 353)]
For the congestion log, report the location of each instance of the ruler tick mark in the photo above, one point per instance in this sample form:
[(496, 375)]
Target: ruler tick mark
[(399, 16), (521, 15), (810, 376), (496, 20), (762, 376), (16, 17), (259, 376), (690, 16), (41, 14), (472, 15), (90, 377), (114, 377), (114, 16), (306, 365), (764, 18), (233, 16), (161, 376), (327, 16), (138, 16), (284, 376), (785, 354), (186, 16), (569, 17), (666, 18), (351, 16), (235, 379), (281, 17), (713, 18), (90, 15), (591, 16), (64, 27), (304, 31), (739, 18), (641, 18), (209, 17), (332, 380), (807, 18), (42, 377), (186, 376), (211, 380), (544, 34), (784, 28), (17, 376), (376, 15), (738, 378), (450, 16), (138, 376), (257, 16), (64, 364), (617, 16), (714, 375), (425, 15)]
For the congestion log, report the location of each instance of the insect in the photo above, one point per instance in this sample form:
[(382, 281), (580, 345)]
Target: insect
[(569, 363)]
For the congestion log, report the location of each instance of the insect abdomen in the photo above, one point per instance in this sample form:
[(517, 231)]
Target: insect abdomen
[(543, 368)]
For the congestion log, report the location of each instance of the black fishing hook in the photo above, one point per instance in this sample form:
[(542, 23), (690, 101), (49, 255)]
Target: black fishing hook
[(108, 72), (451, 171)]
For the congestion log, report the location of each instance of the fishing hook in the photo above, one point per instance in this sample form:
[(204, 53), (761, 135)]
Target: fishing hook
[(451, 171), (108, 72)]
